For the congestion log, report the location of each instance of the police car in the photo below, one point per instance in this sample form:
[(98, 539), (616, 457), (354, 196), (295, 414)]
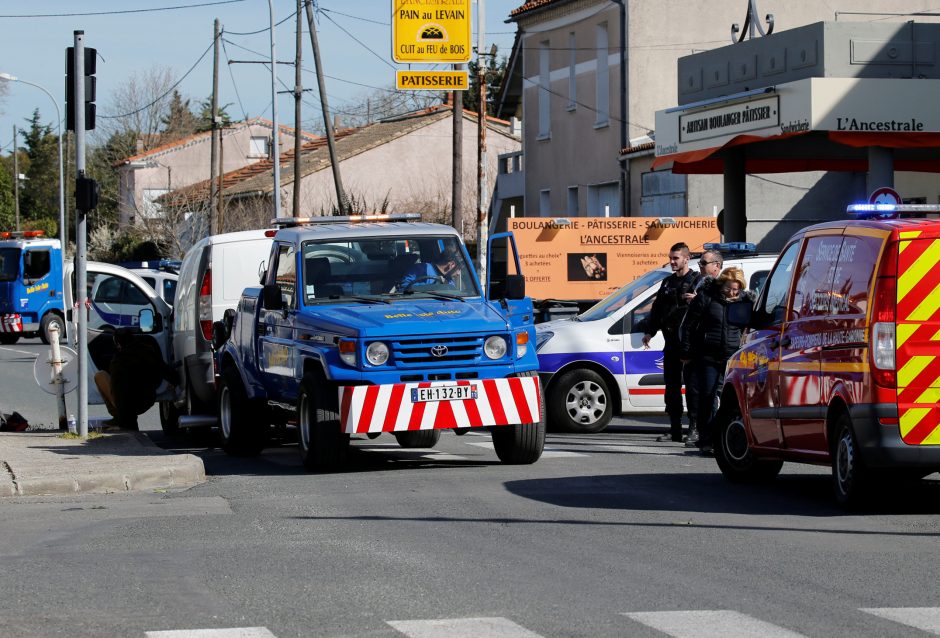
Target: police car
[(594, 365)]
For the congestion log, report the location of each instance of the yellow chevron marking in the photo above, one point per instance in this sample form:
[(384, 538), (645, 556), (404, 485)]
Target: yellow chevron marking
[(930, 395), (911, 418), (919, 269), (910, 234), (928, 307), (905, 330), (911, 369), (933, 438), (936, 337), (902, 245)]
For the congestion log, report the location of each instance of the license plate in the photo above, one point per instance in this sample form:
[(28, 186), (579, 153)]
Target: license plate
[(443, 393)]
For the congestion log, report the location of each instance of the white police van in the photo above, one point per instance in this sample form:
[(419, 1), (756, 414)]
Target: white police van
[(594, 365)]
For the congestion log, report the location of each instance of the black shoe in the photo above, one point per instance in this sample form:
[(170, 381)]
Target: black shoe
[(667, 438)]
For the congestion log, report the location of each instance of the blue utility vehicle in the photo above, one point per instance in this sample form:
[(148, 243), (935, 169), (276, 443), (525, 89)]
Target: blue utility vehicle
[(30, 286)]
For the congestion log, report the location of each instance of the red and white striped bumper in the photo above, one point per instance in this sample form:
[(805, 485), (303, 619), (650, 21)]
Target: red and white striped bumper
[(11, 323), (389, 408)]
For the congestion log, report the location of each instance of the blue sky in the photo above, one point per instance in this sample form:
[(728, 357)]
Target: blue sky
[(33, 48)]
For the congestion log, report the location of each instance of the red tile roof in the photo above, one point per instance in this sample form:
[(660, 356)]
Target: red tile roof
[(529, 6)]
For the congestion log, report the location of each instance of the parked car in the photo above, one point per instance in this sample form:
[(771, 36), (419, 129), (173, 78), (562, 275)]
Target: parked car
[(212, 277), (840, 365), (162, 281), (594, 365)]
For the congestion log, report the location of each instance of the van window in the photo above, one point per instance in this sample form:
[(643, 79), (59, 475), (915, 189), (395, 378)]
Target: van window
[(9, 264), (36, 264), (286, 274), (775, 302), (757, 281), (854, 274), (813, 292), (169, 290)]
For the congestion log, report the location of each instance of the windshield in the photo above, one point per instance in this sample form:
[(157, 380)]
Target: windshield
[(616, 301), (9, 264), (386, 267)]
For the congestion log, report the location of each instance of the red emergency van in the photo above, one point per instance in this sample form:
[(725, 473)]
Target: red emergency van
[(841, 365)]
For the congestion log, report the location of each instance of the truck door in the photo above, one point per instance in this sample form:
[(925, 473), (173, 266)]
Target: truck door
[(275, 327), (504, 280)]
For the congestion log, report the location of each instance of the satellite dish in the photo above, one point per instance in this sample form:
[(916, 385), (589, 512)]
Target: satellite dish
[(42, 371)]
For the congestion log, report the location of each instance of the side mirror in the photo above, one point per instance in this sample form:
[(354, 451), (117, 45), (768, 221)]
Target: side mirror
[(271, 296), (741, 314), (262, 271), (515, 287), (145, 320), (220, 335)]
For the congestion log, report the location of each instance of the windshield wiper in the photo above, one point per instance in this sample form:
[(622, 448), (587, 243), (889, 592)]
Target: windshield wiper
[(362, 298), (443, 295)]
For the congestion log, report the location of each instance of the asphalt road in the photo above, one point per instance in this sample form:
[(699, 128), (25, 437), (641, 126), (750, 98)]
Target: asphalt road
[(610, 534)]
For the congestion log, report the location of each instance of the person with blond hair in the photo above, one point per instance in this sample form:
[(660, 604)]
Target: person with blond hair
[(708, 341)]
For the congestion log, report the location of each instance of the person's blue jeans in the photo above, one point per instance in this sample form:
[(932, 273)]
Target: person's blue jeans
[(706, 377)]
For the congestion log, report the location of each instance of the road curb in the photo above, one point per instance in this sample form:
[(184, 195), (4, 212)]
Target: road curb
[(187, 472)]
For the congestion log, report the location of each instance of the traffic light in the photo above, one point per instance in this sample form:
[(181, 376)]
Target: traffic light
[(91, 56)]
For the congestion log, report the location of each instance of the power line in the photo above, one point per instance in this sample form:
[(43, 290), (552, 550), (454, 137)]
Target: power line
[(170, 90), (640, 127), (268, 28), (346, 15), (122, 11), (234, 84), (358, 41)]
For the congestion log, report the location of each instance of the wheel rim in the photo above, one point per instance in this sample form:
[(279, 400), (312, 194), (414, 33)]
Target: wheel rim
[(845, 461), (586, 402), (735, 441), (304, 423), (225, 413)]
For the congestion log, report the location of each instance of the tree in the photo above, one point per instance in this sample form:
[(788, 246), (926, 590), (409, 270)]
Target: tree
[(139, 105), (377, 105), (205, 115), (179, 121), (7, 212), (495, 70), (39, 195)]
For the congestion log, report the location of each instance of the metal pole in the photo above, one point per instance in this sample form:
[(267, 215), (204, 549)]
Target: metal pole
[(275, 135), (481, 127), (457, 189), (341, 202), (16, 180), (57, 379), (81, 248), (298, 93), (214, 168)]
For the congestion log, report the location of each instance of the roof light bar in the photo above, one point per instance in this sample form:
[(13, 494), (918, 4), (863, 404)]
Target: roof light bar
[(22, 234), (287, 222), (731, 247), (891, 211)]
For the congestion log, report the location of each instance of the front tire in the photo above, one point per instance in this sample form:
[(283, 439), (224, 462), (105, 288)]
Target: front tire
[(47, 322), (733, 452), (418, 438), (580, 402), (169, 418), (850, 477), (521, 444), (241, 431), (323, 444)]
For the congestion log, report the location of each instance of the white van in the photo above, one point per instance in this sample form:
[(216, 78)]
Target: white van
[(212, 277)]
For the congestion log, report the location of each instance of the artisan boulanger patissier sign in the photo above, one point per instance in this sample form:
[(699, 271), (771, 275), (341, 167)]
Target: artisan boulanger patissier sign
[(814, 104)]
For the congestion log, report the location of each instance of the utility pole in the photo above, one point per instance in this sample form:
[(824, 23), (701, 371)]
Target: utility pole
[(276, 132), (482, 207), (214, 162), (457, 189), (16, 179), (341, 201), (82, 206), (298, 93)]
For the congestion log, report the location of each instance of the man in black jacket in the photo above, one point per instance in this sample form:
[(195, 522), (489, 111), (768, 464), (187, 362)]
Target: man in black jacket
[(669, 306)]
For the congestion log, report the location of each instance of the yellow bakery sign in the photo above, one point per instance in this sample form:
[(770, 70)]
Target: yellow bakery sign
[(431, 31)]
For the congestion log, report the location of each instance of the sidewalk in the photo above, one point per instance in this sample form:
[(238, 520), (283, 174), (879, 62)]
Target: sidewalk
[(43, 463)]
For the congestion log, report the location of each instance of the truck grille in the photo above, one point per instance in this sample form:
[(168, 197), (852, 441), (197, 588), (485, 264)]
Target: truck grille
[(417, 353)]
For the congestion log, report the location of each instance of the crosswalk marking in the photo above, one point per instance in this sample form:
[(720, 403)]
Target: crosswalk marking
[(234, 632), (547, 453), (710, 624), (462, 628), (923, 618)]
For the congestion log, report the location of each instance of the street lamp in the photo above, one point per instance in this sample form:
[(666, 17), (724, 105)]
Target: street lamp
[(58, 119)]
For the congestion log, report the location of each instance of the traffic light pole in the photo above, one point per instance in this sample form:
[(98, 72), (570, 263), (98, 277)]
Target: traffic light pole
[(81, 233)]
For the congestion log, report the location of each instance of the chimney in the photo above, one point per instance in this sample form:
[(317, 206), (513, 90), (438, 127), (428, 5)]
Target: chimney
[(140, 145), (337, 122)]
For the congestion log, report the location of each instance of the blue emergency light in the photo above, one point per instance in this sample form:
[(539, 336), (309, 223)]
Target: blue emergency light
[(731, 247), (891, 211)]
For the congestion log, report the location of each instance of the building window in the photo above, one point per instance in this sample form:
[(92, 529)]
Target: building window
[(258, 146), (603, 200), (663, 194), (545, 128), (151, 209), (573, 201), (572, 73), (602, 78), (545, 203)]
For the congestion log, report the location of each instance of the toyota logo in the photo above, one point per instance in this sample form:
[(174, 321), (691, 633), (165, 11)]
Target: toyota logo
[(438, 351)]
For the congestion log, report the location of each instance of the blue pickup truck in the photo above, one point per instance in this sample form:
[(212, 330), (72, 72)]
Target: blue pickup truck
[(30, 286), (364, 326)]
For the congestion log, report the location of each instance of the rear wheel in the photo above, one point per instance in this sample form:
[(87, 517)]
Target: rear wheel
[(9, 338), (169, 418), (241, 431), (323, 445), (521, 444), (850, 477), (580, 402), (733, 452), (48, 320), (418, 438)]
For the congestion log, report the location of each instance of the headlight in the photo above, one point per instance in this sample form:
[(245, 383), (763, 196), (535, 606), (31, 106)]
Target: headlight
[(377, 353), (522, 344), (495, 347), (347, 351), (542, 337)]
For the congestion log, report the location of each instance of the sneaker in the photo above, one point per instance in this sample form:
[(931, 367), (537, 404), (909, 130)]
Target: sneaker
[(692, 439), (668, 438)]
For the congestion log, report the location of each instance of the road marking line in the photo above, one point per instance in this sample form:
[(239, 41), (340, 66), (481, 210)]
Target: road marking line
[(547, 453), (27, 352), (462, 628), (234, 632), (923, 618), (721, 623)]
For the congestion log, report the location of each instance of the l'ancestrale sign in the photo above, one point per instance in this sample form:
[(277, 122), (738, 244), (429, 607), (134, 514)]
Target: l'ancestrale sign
[(584, 258)]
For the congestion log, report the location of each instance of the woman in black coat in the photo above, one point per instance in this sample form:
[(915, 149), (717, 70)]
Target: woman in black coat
[(708, 341)]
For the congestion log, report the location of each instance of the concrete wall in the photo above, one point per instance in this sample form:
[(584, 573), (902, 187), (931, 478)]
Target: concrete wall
[(412, 172)]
